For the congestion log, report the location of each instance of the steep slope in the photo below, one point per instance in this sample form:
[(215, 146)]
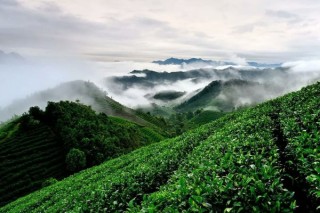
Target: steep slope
[(52, 143), (28, 158), (222, 96), (204, 117), (263, 159), (87, 93)]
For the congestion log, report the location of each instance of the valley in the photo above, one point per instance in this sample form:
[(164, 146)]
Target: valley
[(224, 165), (125, 106)]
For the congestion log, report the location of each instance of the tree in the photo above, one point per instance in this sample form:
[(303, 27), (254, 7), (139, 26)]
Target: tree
[(189, 115), (76, 160), (36, 112)]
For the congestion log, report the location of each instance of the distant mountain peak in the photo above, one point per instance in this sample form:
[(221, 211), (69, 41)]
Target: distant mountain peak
[(10, 57), (178, 61)]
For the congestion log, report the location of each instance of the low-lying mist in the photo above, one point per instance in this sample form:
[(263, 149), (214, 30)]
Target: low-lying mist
[(23, 79), (272, 83)]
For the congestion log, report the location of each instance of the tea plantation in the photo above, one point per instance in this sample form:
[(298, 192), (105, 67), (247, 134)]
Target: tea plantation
[(42, 146), (262, 159)]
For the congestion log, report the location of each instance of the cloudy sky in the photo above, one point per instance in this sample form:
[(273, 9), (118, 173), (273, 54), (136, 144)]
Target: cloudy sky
[(145, 30)]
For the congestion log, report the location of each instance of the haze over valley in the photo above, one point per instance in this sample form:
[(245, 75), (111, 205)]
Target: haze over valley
[(160, 106), (138, 85)]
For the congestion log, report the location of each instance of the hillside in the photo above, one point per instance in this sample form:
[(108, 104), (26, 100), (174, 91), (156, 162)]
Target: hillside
[(223, 96), (263, 159), (204, 117), (67, 137), (27, 159), (87, 93)]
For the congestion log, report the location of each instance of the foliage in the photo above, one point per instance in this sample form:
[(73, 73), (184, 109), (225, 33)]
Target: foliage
[(262, 159), (27, 158), (97, 136), (75, 160), (181, 122), (49, 182), (59, 141), (203, 117), (8, 129)]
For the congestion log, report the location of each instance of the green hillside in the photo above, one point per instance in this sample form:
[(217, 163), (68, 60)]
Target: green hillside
[(63, 139), (205, 116), (263, 159), (220, 95), (28, 158), (87, 93)]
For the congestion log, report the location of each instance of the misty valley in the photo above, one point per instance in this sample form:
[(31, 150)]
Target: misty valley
[(159, 106), (225, 87), (227, 137)]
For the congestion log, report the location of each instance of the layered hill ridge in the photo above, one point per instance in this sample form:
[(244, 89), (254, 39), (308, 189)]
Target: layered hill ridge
[(178, 61), (85, 92), (265, 84), (150, 79), (263, 159)]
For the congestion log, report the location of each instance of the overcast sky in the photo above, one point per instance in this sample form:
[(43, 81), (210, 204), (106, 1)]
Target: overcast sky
[(145, 30)]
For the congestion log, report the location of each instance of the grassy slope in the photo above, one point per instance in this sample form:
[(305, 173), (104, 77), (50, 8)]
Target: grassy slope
[(225, 166), (148, 132), (31, 156), (204, 117)]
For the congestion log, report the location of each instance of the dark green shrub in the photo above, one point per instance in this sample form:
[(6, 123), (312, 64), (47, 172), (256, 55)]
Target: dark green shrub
[(36, 112), (49, 182), (75, 160)]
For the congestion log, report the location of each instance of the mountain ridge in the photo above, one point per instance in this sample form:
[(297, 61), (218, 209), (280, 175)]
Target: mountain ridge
[(178, 61)]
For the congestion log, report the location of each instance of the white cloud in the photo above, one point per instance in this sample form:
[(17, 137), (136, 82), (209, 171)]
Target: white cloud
[(33, 75), (238, 60), (304, 66), (145, 30)]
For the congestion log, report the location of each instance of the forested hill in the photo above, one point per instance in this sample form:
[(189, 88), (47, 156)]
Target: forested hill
[(87, 93), (262, 159), (44, 146)]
